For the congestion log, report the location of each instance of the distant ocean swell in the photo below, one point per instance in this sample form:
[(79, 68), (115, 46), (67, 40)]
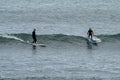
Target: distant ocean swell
[(59, 78), (55, 37)]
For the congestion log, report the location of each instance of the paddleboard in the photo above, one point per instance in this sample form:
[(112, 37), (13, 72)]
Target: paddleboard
[(94, 40), (36, 44)]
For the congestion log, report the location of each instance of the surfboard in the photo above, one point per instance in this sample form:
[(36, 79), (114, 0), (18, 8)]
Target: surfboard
[(36, 44), (94, 40), (91, 40)]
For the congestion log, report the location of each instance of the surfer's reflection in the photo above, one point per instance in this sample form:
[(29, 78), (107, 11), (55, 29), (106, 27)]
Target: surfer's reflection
[(90, 45), (34, 49)]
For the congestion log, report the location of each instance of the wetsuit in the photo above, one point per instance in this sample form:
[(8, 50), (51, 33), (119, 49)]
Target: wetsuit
[(34, 37), (90, 33)]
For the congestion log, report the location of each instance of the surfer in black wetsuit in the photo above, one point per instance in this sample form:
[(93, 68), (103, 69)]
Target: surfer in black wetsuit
[(34, 36), (90, 33)]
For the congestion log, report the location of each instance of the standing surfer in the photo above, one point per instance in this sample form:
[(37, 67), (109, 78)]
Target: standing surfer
[(34, 36), (90, 33)]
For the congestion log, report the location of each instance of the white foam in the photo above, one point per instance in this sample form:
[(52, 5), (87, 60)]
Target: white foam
[(11, 37)]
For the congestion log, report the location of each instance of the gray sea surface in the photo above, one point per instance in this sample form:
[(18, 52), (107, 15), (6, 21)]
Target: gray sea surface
[(62, 26)]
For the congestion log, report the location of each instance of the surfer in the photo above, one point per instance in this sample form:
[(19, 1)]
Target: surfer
[(34, 36), (90, 33)]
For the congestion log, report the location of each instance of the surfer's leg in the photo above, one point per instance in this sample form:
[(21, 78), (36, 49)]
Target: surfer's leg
[(91, 36), (35, 40)]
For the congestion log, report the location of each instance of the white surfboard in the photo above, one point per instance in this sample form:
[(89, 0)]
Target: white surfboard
[(98, 40), (36, 44), (94, 40)]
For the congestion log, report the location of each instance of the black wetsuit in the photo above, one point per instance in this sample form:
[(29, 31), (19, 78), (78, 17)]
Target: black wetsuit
[(34, 37), (90, 33)]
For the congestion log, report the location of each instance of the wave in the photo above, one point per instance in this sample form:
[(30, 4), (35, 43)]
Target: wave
[(61, 78), (110, 38), (54, 37), (42, 38)]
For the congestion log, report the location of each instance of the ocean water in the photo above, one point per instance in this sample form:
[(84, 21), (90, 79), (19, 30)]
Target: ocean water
[(62, 26)]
